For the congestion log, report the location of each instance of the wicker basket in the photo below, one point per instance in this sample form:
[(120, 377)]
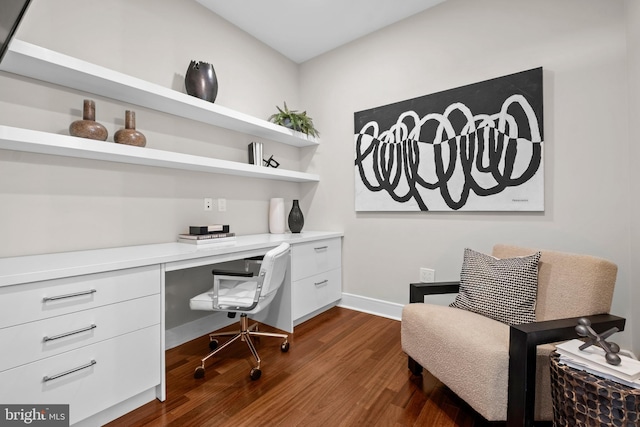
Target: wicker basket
[(582, 399)]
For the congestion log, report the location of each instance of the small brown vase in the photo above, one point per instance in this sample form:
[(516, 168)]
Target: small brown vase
[(88, 127), (129, 135)]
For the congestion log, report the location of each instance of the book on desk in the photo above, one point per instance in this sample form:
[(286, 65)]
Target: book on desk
[(207, 235), (207, 229)]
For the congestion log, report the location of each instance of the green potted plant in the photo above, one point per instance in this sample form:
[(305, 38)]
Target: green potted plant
[(295, 120)]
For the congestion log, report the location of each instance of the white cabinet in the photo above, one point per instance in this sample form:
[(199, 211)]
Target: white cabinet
[(41, 300), (86, 328), (89, 379), (73, 339), (316, 276)]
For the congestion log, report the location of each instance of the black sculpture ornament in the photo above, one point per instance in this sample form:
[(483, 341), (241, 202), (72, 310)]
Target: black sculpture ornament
[(610, 348), (271, 162), (201, 81)]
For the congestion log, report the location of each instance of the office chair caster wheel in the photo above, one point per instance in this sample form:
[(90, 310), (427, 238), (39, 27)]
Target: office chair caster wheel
[(284, 347), (199, 373), (213, 344), (255, 374)]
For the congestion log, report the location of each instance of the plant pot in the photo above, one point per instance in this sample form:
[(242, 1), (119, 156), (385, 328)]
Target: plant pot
[(289, 125)]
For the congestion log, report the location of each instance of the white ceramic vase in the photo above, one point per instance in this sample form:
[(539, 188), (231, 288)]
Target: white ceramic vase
[(276, 216)]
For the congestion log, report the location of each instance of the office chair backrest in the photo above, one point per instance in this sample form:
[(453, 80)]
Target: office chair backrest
[(569, 285), (274, 267)]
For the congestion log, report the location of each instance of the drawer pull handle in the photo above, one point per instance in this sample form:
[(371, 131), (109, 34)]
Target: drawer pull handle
[(324, 282), (77, 294), (321, 248), (66, 334), (70, 371)]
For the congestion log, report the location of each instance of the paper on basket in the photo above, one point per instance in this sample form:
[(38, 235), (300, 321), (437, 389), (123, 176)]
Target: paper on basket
[(593, 359)]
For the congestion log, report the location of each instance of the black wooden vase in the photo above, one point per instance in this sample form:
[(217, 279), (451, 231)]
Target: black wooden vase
[(296, 219)]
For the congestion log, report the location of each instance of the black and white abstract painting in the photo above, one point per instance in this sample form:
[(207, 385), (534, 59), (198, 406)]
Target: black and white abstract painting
[(474, 148)]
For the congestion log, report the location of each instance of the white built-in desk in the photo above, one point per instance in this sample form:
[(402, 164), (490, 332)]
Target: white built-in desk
[(87, 328)]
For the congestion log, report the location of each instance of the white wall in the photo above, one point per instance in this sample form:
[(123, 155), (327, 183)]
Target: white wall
[(52, 204), (633, 44), (581, 46)]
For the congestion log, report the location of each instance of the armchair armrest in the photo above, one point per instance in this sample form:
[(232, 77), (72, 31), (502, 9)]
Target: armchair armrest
[(417, 291), (523, 340)]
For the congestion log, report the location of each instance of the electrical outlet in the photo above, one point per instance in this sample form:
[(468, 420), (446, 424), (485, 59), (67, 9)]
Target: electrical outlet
[(222, 205), (427, 275), (208, 204)]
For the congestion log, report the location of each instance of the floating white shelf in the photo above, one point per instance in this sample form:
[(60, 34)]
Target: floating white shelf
[(43, 64), (18, 139)]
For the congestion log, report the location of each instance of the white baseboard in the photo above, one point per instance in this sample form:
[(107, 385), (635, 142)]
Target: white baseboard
[(390, 310), (197, 328), (118, 410)]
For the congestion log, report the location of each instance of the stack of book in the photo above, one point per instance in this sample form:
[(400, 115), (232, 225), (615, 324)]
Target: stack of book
[(592, 360), (207, 235)]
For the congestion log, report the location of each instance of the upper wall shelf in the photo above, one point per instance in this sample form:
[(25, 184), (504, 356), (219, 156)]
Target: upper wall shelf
[(43, 64), (32, 141)]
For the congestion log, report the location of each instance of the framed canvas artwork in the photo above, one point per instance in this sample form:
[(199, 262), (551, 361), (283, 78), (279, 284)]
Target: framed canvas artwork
[(477, 147)]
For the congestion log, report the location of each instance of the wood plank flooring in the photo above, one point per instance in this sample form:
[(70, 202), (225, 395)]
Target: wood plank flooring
[(344, 368)]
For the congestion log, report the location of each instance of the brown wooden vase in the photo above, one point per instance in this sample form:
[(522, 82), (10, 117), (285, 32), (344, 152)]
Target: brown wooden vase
[(129, 135), (88, 127)]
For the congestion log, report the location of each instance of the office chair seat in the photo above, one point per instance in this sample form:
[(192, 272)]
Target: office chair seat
[(244, 293), (232, 292)]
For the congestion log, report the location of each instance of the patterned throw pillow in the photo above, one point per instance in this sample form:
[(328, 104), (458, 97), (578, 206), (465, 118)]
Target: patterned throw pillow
[(502, 289)]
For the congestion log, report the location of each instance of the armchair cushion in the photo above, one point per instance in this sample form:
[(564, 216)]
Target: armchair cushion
[(470, 354), (500, 289)]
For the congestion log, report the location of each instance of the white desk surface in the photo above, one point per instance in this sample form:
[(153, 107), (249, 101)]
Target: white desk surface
[(33, 268)]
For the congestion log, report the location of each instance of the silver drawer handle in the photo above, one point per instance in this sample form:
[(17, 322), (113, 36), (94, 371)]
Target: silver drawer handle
[(77, 294), (324, 282), (66, 334), (320, 248), (70, 371)]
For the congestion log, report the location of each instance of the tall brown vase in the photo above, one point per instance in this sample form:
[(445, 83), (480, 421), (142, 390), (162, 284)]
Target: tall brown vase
[(88, 127), (129, 135)]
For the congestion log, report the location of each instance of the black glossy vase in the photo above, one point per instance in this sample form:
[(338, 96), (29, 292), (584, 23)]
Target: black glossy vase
[(201, 81), (296, 219)]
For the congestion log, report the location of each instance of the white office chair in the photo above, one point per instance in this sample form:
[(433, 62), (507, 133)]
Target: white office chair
[(245, 294)]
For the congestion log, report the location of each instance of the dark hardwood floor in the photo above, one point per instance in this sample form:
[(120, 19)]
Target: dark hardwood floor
[(344, 368)]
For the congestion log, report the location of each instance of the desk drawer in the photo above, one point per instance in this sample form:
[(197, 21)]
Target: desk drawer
[(125, 366), (315, 292), (309, 259), (25, 303), (26, 342)]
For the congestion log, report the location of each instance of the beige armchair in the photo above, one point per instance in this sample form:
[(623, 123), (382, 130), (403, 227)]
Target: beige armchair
[(501, 370)]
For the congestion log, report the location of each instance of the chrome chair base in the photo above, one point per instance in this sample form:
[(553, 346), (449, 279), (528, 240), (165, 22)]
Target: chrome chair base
[(244, 334)]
